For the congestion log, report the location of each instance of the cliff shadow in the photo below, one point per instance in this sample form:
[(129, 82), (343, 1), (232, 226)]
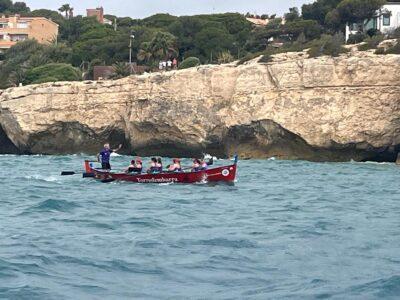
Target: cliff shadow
[(74, 137), (6, 145), (266, 139)]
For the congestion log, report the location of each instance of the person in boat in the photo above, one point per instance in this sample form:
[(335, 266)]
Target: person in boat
[(104, 156), (135, 167), (131, 167), (159, 165), (153, 166), (196, 165), (139, 165), (203, 165), (176, 166)]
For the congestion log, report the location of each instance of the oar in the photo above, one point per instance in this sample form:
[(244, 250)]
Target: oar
[(68, 173), (71, 173)]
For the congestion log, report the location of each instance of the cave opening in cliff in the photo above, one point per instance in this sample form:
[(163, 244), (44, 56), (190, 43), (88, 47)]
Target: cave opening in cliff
[(6, 145)]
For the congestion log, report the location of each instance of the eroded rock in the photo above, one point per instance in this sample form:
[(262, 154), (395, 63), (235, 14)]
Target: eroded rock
[(323, 109)]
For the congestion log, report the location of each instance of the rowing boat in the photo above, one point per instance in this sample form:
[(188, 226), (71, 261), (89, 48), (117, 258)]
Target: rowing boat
[(218, 174)]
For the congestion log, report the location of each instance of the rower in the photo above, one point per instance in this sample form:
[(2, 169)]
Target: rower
[(104, 156), (176, 166), (153, 166), (196, 165), (159, 165), (134, 167), (203, 165), (131, 167), (139, 164)]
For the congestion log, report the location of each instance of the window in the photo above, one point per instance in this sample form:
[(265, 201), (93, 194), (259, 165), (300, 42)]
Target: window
[(386, 20), (1, 37), (18, 37), (22, 25), (3, 25)]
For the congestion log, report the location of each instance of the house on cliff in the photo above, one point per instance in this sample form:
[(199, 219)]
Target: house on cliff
[(99, 14), (386, 20), (16, 28)]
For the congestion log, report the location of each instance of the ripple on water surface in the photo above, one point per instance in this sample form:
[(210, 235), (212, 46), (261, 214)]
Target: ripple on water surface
[(285, 230)]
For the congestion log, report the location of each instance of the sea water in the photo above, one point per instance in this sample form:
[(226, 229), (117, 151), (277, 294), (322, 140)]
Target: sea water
[(285, 230)]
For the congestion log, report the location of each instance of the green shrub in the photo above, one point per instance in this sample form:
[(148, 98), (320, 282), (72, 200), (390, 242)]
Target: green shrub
[(225, 57), (372, 32), (189, 62), (371, 43), (52, 72), (248, 57), (394, 34), (266, 58), (328, 45), (356, 38), (266, 55), (45, 79)]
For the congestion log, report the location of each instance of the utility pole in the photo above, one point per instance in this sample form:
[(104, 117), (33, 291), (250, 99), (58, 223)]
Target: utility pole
[(130, 51), (131, 38)]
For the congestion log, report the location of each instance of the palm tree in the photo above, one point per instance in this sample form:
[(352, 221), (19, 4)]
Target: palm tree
[(163, 45), (71, 13), (65, 8), (145, 52), (121, 70)]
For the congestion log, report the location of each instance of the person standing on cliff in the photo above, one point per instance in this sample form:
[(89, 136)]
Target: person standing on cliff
[(104, 156)]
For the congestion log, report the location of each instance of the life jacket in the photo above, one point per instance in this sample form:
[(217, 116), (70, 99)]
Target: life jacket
[(204, 166), (134, 170)]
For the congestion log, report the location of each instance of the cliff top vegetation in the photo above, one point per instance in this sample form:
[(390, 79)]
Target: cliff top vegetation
[(84, 43)]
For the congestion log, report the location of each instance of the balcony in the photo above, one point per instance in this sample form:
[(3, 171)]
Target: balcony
[(6, 44), (9, 30), (18, 37)]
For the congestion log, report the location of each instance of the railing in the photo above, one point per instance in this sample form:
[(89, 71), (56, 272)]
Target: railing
[(14, 30)]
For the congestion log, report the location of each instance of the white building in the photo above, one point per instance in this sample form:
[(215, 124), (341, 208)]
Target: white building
[(386, 20)]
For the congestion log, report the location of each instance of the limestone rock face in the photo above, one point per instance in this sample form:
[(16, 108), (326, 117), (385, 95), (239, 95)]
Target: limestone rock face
[(322, 109)]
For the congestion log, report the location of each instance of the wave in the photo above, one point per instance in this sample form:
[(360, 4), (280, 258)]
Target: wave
[(54, 205), (382, 288), (223, 242), (25, 292), (111, 265), (51, 178)]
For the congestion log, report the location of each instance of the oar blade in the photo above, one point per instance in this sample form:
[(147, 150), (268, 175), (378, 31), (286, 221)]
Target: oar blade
[(67, 173), (88, 175)]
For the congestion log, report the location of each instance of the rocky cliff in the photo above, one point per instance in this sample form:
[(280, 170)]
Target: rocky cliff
[(323, 109)]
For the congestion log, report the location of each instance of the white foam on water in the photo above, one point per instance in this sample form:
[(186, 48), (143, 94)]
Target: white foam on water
[(51, 178), (209, 156)]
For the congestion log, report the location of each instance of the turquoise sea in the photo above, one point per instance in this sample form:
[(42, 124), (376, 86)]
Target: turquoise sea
[(286, 230)]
